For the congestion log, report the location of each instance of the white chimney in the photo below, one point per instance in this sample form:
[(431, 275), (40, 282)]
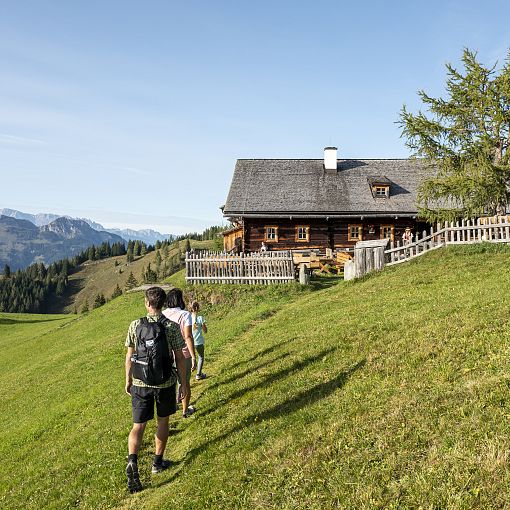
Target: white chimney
[(330, 158)]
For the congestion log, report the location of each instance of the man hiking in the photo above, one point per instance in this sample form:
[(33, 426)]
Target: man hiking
[(152, 342)]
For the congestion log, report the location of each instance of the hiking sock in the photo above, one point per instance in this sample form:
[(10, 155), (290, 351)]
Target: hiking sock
[(157, 460), (133, 457)]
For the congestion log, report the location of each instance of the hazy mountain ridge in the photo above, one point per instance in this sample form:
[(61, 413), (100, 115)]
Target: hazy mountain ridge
[(148, 236), (23, 243)]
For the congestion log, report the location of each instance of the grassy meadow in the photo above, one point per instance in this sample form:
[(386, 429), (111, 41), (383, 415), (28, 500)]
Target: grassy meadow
[(389, 392)]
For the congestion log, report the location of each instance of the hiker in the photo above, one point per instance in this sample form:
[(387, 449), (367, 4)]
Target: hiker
[(176, 311), (155, 338), (199, 327)]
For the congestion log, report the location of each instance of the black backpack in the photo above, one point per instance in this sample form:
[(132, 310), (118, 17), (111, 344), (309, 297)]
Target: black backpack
[(153, 360)]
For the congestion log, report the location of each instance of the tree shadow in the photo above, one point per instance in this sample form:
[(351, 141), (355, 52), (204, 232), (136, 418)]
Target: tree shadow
[(266, 381), (265, 351), (246, 372), (7, 322), (290, 406)]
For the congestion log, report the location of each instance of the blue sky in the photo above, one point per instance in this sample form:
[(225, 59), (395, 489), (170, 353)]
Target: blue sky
[(133, 113)]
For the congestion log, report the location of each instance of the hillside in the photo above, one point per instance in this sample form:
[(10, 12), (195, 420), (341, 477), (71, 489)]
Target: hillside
[(390, 392), (102, 276)]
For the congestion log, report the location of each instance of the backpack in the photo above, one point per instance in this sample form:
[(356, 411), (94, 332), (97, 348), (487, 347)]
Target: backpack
[(153, 360)]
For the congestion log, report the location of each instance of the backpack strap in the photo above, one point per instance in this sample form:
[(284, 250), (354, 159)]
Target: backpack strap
[(163, 320)]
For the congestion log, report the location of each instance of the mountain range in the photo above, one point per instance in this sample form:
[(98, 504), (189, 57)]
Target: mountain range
[(148, 236), (23, 243)]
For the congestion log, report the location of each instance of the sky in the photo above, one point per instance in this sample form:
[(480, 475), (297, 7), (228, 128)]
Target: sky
[(133, 113)]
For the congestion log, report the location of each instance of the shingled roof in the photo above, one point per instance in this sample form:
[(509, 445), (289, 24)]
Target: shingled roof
[(302, 187)]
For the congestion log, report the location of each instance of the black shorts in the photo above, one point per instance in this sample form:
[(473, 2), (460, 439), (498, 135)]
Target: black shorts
[(142, 402)]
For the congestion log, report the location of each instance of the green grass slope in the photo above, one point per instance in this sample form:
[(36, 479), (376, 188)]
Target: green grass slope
[(390, 392), (102, 276)]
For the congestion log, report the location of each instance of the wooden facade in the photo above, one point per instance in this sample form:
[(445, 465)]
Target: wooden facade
[(326, 204), (316, 233)]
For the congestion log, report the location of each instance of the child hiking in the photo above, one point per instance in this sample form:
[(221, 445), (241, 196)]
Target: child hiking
[(153, 343), (176, 312), (199, 327)]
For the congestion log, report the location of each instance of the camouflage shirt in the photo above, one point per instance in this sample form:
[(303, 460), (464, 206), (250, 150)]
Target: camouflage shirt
[(175, 343)]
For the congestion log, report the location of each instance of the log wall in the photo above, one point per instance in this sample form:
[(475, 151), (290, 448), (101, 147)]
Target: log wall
[(323, 234)]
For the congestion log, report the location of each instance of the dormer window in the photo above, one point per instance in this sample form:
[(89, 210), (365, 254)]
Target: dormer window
[(379, 186), (382, 191)]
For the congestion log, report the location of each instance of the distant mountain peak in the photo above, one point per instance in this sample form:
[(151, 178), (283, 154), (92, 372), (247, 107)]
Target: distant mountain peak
[(148, 236)]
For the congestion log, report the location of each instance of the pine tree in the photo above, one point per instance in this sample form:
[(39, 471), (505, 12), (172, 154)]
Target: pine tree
[(129, 255), (157, 261), (137, 249), (99, 300), (187, 246), (85, 307), (131, 282), (7, 271), (117, 292), (143, 250), (150, 276), (164, 250), (464, 141)]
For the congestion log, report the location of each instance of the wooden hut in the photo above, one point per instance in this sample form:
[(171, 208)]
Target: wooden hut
[(320, 204)]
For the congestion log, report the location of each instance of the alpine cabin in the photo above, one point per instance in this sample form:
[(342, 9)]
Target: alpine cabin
[(320, 204)]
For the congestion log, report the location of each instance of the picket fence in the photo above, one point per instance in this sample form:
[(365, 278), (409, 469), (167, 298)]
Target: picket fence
[(251, 268), (491, 230)]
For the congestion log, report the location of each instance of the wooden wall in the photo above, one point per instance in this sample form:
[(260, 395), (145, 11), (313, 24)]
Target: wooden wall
[(323, 234)]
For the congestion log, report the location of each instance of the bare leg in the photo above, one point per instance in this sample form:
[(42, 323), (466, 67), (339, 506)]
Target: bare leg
[(161, 435), (135, 437)]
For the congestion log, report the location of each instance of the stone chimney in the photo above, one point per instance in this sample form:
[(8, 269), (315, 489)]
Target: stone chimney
[(330, 158)]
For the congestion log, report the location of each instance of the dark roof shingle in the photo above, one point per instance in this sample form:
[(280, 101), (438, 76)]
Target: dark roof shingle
[(302, 186)]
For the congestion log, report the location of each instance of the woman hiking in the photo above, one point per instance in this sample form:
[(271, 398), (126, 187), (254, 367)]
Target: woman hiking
[(176, 311), (199, 327)]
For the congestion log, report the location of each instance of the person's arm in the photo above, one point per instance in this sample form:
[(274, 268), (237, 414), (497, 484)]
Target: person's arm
[(180, 363), (188, 338), (204, 326), (129, 363)]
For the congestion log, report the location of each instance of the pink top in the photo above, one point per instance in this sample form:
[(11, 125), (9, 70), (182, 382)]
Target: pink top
[(181, 317)]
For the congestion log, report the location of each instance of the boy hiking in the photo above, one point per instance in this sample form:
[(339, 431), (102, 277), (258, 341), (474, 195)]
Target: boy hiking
[(153, 342)]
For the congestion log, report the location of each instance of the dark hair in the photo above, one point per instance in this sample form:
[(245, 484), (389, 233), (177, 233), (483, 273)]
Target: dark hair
[(156, 297), (194, 306), (174, 299)]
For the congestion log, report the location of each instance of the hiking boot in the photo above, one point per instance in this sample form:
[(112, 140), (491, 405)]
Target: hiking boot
[(201, 376), (133, 478), (188, 412), (157, 468)]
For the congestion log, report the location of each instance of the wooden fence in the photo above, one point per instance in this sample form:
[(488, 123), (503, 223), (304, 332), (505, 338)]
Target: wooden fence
[(491, 230), (251, 268)]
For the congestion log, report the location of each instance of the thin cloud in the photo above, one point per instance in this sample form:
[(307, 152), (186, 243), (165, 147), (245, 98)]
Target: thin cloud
[(19, 140)]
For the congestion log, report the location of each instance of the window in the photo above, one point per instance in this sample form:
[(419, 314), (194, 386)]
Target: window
[(271, 234), (382, 191), (388, 231), (355, 233), (302, 233)]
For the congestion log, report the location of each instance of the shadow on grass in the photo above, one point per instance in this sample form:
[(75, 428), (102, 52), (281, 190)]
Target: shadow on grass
[(324, 282), (248, 371), (21, 321), (268, 380), (259, 354), (289, 406)]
